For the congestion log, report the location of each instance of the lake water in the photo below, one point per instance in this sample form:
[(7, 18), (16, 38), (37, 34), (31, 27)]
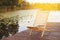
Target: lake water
[(28, 17)]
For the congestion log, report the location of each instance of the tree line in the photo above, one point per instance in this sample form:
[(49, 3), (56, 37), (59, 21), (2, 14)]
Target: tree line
[(13, 3)]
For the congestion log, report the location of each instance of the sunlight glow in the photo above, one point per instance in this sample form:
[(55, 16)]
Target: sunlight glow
[(43, 1)]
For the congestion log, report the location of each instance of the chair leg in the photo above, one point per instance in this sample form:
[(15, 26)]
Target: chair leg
[(30, 32), (42, 34)]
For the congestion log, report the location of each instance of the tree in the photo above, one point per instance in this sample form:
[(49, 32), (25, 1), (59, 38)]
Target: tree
[(8, 3), (11, 4)]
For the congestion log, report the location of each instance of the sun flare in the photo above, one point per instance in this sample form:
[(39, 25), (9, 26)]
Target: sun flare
[(43, 1)]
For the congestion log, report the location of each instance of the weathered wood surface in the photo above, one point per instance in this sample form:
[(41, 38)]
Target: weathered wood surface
[(36, 35)]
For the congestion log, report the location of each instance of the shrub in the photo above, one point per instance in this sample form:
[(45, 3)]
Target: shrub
[(8, 26)]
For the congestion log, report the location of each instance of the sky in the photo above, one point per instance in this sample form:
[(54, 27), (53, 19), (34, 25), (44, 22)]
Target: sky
[(44, 1)]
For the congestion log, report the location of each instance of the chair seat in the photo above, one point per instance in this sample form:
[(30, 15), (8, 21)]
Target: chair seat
[(37, 28)]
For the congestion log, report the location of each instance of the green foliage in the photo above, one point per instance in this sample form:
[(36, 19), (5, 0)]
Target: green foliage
[(8, 26), (8, 2), (12, 3)]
